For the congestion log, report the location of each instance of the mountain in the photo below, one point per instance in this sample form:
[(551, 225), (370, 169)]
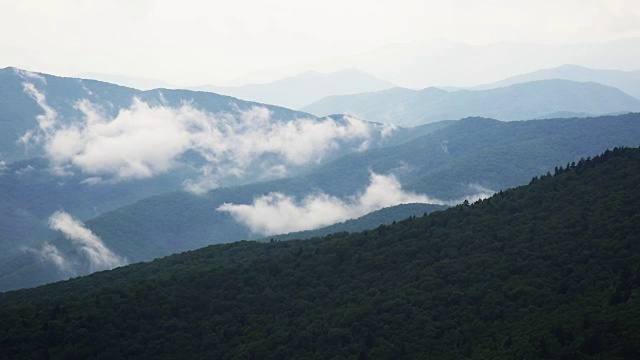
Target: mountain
[(627, 81), (467, 159), (86, 147), (25, 95), (529, 100), (297, 91), (540, 271), (30, 193)]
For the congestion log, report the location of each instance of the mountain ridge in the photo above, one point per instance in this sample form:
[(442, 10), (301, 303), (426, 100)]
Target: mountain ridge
[(469, 157), (626, 81), (520, 101), (303, 89)]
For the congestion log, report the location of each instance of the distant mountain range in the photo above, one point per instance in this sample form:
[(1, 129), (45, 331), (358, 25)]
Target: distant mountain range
[(627, 81), (303, 89), (291, 92), (75, 150), (308, 87), (521, 101), (442, 62)]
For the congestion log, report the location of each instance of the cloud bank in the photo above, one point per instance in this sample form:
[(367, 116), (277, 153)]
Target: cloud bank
[(99, 256), (142, 141), (277, 213)]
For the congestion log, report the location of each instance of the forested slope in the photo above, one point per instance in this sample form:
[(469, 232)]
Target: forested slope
[(372, 220), (548, 270), (465, 157)]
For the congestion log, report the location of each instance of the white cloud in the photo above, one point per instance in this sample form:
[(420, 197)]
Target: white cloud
[(387, 129), (49, 252), (140, 142), (143, 141), (47, 120), (477, 191), (99, 256), (92, 180), (24, 170), (277, 213), (27, 75), (86, 90)]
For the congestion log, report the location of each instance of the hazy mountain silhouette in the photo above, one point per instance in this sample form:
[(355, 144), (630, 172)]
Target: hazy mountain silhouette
[(627, 81), (300, 90), (529, 100)]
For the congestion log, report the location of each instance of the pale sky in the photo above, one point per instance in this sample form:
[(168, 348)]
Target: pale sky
[(192, 42)]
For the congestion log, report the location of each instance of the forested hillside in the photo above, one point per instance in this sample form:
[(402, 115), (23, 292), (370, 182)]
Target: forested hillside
[(547, 270), (465, 158), (384, 216)]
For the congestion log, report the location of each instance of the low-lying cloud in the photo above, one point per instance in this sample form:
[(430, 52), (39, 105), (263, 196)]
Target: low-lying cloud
[(50, 253), (144, 140), (99, 256), (277, 213), (477, 192)]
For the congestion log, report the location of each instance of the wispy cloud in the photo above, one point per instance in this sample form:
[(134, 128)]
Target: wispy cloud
[(476, 192), (99, 256), (50, 253), (25, 170), (46, 120), (444, 145), (28, 75), (278, 213), (144, 140)]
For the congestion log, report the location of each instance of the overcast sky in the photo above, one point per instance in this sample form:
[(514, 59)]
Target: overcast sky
[(192, 42)]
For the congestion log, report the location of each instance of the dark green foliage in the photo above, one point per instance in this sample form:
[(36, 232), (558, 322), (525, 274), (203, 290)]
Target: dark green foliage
[(548, 270), (372, 220)]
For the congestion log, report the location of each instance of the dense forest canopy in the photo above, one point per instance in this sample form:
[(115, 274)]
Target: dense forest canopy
[(547, 270)]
